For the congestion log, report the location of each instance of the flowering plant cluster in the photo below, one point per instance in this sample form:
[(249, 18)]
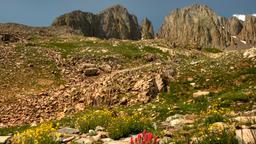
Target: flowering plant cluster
[(143, 138), (45, 133)]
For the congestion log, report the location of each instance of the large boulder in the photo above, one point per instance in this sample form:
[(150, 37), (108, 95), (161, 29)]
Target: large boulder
[(195, 25), (147, 31), (114, 22)]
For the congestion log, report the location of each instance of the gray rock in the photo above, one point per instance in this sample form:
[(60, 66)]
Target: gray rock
[(147, 31), (67, 130), (92, 133), (67, 139), (177, 120), (105, 140), (200, 93), (99, 128), (246, 136), (91, 72), (4, 139), (88, 140)]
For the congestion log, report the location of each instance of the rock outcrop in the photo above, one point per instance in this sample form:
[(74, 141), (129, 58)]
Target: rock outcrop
[(147, 31), (199, 26), (114, 22), (81, 21), (195, 25), (234, 26), (248, 33)]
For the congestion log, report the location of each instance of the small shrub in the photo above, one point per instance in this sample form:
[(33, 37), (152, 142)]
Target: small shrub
[(215, 113), (240, 97), (92, 119), (43, 134), (224, 137), (123, 126), (214, 118)]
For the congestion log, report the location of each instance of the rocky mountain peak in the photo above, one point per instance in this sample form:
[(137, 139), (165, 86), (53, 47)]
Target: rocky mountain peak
[(195, 25), (147, 31), (115, 9), (113, 22)]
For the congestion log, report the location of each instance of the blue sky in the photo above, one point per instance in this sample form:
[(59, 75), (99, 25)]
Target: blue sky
[(42, 12)]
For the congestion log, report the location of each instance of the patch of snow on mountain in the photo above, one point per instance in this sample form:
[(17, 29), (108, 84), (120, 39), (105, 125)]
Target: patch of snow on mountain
[(240, 16), (244, 42)]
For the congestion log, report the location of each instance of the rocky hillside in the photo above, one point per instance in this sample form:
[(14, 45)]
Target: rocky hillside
[(200, 26), (114, 22), (58, 86)]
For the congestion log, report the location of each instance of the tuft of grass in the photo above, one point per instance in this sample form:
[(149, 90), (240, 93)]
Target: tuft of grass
[(215, 118), (211, 50), (235, 96), (13, 130), (224, 137)]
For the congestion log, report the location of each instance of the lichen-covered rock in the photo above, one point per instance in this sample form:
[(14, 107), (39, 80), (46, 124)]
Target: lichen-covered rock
[(147, 31), (195, 25)]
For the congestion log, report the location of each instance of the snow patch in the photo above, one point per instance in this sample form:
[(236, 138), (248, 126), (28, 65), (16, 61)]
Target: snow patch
[(234, 37), (240, 16), (242, 41)]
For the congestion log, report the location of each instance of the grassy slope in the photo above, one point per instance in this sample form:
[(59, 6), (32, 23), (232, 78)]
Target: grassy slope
[(229, 87)]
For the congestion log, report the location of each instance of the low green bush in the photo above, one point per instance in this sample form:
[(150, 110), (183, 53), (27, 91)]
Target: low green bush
[(125, 125), (225, 137), (117, 126), (215, 118), (92, 119)]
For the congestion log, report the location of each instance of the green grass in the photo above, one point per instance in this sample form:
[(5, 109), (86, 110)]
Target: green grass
[(211, 50), (13, 130)]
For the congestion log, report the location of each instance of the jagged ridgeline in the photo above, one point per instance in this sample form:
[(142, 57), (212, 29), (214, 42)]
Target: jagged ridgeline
[(114, 22), (198, 25)]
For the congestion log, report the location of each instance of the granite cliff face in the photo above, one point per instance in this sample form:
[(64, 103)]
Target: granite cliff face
[(234, 25), (248, 33), (195, 25), (147, 31), (84, 22), (114, 22)]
